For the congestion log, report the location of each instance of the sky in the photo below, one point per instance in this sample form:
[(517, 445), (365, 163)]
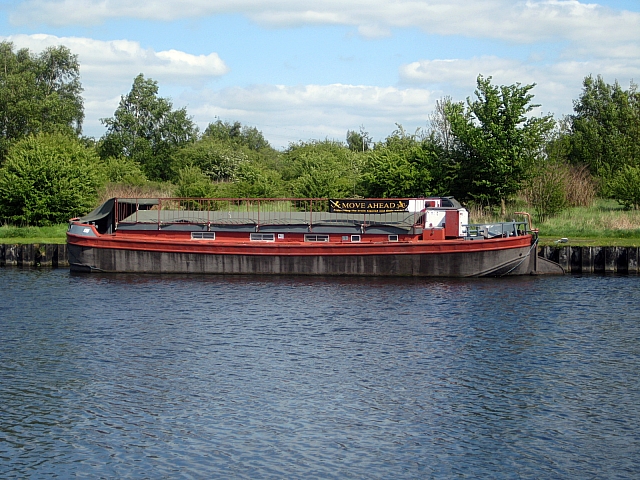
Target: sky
[(300, 70)]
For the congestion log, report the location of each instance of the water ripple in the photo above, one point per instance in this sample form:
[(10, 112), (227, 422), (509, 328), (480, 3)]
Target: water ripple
[(246, 377)]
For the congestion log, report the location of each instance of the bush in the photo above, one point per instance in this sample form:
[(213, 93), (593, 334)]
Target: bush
[(546, 189), (625, 187), (216, 160), (48, 179), (124, 171), (555, 186), (193, 183)]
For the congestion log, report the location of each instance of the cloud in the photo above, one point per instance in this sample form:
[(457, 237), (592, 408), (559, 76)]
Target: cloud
[(124, 59), (107, 69), (557, 84), (519, 21), (292, 113)]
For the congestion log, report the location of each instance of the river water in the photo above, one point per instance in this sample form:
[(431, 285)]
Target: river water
[(126, 376)]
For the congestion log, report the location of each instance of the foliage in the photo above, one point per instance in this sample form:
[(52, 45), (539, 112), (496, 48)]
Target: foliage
[(145, 128), (605, 129), (254, 182), (625, 187), (359, 141), (218, 160), (48, 179), (546, 190), (320, 169), (399, 167), (193, 183), (38, 93), (124, 171), (236, 134), (495, 141)]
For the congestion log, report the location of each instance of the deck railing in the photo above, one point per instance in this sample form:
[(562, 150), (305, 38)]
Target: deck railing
[(494, 230), (257, 211)]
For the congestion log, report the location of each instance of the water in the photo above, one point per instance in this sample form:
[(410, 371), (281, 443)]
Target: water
[(228, 377)]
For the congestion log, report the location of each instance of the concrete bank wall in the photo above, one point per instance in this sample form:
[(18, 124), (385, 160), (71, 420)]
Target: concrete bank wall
[(594, 259), (33, 255), (573, 259)]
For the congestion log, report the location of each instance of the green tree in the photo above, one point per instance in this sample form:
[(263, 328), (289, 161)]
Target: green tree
[(47, 179), (124, 171), (237, 134), (495, 141), (359, 141), (217, 160), (38, 93), (254, 181), (605, 128), (625, 187), (193, 183), (399, 167), (145, 128), (320, 169)]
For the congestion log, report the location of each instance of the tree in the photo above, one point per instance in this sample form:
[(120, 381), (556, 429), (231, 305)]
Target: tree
[(605, 129), (217, 160), (146, 129), (320, 169), (625, 187), (399, 167), (495, 140), (47, 179), (358, 141), (38, 93), (237, 134)]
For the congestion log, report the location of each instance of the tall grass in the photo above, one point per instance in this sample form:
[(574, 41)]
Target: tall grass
[(148, 190), (606, 218)]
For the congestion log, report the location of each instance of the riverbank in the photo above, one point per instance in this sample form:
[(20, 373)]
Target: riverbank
[(573, 258)]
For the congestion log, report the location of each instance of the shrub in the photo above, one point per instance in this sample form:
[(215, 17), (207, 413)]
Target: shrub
[(193, 183), (47, 179), (546, 190), (124, 171), (625, 187)]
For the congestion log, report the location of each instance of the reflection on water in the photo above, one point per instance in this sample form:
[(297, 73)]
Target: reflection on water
[(253, 377)]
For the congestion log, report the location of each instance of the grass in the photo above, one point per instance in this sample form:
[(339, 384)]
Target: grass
[(604, 224), (24, 235)]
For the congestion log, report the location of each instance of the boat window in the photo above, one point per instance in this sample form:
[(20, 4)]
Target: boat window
[(203, 235), (316, 238), (263, 237), (393, 238), (355, 238)]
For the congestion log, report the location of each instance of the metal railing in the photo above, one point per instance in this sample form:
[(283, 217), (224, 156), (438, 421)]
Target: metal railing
[(248, 211), (496, 230)]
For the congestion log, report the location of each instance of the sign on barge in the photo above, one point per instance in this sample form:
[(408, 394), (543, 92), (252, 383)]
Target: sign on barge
[(428, 237)]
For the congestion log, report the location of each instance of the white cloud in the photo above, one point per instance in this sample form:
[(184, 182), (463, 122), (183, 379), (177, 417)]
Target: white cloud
[(107, 69), (514, 21), (292, 113), (124, 59), (557, 84)]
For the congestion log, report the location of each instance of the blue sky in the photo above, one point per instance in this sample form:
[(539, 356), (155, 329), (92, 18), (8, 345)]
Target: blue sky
[(312, 70)]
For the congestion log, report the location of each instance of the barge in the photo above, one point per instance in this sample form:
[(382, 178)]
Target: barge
[(426, 237)]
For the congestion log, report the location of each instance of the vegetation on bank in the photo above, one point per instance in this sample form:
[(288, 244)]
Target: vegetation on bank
[(491, 152)]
